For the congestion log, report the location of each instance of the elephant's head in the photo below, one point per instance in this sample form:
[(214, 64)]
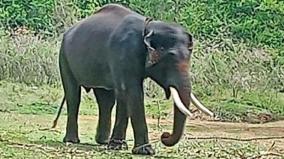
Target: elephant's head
[(168, 60)]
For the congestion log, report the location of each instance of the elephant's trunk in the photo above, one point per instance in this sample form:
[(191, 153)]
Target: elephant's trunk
[(179, 118)]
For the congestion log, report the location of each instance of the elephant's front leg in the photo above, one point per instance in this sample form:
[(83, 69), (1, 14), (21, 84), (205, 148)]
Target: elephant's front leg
[(138, 122), (132, 100), (117, 141)]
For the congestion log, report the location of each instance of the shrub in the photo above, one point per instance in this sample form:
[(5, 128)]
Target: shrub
[(239, 43)]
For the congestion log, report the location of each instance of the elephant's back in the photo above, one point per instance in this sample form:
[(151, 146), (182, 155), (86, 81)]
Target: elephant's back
[(115, 9), (97, 27), (85, 45)]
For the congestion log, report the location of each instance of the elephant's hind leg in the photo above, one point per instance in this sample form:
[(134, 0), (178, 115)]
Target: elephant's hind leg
[(106, 100), (73, 100), (72, 94)]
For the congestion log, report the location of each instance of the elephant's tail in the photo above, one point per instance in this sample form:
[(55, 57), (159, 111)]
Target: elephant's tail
[(58, 113)]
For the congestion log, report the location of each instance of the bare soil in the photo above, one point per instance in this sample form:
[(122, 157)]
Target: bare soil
[(268, 134), (33, 131)]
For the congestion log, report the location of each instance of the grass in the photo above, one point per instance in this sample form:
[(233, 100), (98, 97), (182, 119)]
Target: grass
[(236, 72), (238, 82), (27, 113), (27, 136), (29, 59), (45, 99), (247, 106), (21, 98)]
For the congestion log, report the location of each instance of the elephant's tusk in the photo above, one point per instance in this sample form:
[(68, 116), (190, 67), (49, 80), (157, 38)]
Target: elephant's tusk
[(179, 103), (200, 106)]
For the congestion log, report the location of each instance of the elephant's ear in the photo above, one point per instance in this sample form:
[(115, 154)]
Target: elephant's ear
[(152, 54)]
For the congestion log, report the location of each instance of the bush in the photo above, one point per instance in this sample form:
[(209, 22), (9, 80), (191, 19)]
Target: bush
[(259, 22), (36, 15), (29, 59), (46, 15), (238, 60), (239, 43)]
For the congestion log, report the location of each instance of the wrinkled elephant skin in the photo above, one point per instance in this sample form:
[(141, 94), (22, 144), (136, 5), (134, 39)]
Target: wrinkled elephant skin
[(111, 53)]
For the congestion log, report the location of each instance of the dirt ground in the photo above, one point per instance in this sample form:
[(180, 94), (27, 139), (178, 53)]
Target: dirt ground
[(269, 134), (31, 133)]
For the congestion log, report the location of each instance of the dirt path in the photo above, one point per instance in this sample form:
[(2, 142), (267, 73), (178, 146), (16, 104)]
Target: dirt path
[(194, 128), (267, 133), (218, 135), (216, 128)]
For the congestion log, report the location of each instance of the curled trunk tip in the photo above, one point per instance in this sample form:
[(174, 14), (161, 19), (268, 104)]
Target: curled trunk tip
[(181, 104)]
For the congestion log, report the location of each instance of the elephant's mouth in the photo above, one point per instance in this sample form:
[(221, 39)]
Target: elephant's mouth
[(181, 98), (167, 92), (172, 91)]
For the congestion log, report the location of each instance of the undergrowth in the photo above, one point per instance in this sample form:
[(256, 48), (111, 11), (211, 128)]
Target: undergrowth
[(237, 62), (252, 107)]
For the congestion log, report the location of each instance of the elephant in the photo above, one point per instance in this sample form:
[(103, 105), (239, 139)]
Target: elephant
[(112, 52)]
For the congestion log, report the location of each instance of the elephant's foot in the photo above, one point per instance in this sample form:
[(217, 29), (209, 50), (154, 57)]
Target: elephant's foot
[(71, 139), (102, 141), (102, 138), (145, 149), (117, 145)]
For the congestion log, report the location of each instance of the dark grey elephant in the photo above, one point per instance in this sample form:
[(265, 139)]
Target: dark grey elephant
[(112, 52)]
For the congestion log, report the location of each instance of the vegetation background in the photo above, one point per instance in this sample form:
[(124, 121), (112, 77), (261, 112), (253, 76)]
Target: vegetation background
[(237, 71), (237, 64)]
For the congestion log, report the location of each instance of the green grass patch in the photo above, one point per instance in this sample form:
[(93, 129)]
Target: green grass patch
[(247, 106), (25, 136), (24, 99), (251, 106)]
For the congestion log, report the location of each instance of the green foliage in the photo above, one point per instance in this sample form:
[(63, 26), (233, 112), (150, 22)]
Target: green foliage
[(36, 15), (235, 66), (44, 15), (44, 99), (259, 22), (247, 107), (238, 47), (29, 59)]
